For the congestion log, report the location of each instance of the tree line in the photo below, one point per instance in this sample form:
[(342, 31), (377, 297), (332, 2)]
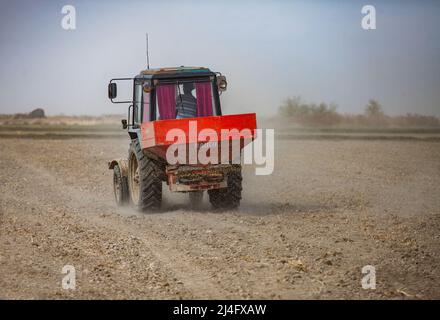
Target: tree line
[(295, 110)]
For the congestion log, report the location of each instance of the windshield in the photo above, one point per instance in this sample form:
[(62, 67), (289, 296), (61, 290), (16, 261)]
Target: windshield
[(184, 99)]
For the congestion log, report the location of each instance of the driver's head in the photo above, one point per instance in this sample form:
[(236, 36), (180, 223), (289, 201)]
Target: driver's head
[(188, 87)]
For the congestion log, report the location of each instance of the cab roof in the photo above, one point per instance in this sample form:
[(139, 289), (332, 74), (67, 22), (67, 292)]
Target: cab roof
[(174, 72)]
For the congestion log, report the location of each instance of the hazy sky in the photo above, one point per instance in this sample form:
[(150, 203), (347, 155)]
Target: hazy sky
[(268, 50)]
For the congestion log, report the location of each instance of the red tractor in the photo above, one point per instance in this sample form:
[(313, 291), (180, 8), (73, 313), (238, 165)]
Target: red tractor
[(178, 134)]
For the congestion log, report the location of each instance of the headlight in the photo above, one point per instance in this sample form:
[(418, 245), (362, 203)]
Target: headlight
[(222, 83)]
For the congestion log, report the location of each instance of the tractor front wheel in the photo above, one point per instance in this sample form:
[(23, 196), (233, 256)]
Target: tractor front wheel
[(120, 187)]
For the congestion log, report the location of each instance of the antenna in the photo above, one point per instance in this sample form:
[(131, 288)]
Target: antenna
[(148, 58)]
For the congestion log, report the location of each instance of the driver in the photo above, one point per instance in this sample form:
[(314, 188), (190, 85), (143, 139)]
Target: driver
[(186, 106)]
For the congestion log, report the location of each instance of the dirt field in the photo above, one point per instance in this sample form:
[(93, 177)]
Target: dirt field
[(330, 207)]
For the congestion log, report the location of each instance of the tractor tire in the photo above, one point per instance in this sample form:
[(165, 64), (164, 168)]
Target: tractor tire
[(228, 198), (120, 187), (144, 177), (195, 198)]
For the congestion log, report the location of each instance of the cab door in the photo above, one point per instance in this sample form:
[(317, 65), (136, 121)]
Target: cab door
[(137, 104)]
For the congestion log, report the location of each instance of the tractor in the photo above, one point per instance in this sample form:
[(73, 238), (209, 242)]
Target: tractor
[(179, 136)]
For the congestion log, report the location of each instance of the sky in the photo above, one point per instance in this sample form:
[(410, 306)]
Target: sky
[(268, 50)]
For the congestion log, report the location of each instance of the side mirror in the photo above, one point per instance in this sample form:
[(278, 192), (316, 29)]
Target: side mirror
[(112, 90), (124, 124), (222, 83)]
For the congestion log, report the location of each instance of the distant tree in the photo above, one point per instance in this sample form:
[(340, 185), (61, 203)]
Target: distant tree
[(373, 109), (299, 112), (309, 113), (290, 107)]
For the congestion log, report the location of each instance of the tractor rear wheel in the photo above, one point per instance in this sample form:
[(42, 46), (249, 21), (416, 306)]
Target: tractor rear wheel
[(228, 198), (120, 187), (144, 179)]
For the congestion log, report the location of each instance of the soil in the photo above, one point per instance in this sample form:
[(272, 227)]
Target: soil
[(304, 232)]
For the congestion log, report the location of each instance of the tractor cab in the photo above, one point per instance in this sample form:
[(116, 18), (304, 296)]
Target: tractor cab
[(171, 93)]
